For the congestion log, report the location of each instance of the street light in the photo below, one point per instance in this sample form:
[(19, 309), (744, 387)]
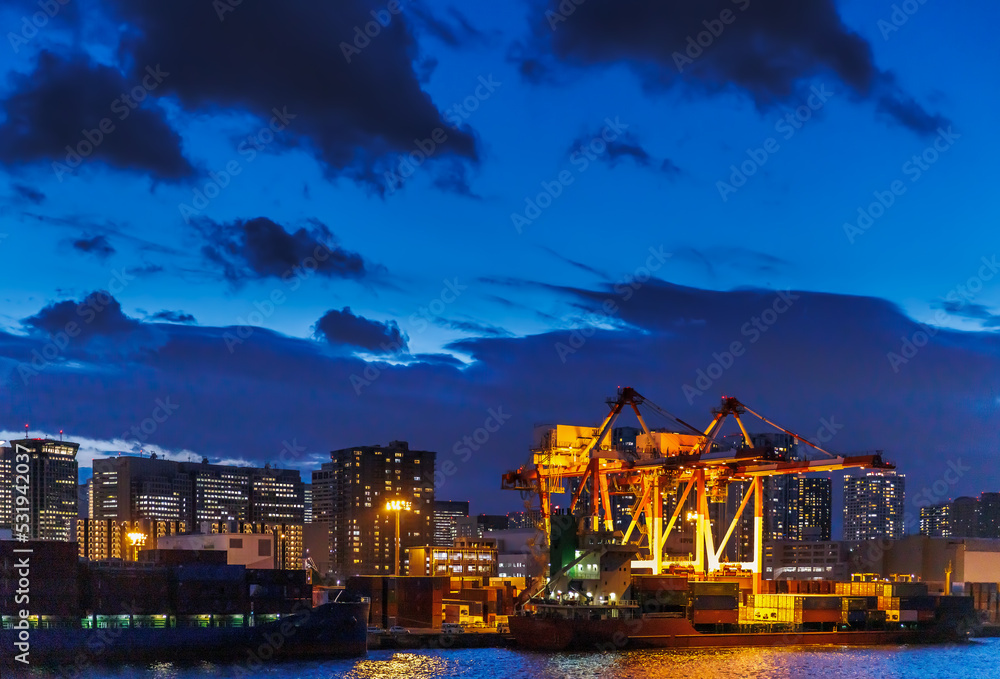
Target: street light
[(138, 540), (397, 506)]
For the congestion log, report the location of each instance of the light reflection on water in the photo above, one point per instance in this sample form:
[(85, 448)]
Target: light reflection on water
[(980, 659)]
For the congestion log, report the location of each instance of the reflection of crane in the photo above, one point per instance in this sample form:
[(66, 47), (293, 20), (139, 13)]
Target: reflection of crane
[(666, 463)]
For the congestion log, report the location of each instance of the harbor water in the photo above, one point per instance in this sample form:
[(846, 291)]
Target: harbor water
[(979, 658)]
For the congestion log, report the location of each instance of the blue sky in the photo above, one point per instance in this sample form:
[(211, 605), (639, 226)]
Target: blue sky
[(440, 260)]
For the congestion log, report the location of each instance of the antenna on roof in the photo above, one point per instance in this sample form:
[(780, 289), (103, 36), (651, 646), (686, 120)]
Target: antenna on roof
[(60, 434)]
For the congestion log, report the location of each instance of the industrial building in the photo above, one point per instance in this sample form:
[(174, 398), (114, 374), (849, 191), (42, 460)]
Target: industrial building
[(50, 468), (803, 560), (254, 544), (466, 557)]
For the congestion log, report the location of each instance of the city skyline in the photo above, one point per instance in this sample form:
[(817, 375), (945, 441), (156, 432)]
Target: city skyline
[(777, 232)]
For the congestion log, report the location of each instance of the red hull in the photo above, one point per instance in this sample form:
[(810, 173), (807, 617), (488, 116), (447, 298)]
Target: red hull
[(550, 634)]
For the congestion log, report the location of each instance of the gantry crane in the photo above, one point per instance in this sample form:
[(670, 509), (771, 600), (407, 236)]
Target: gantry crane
[(666, 463)]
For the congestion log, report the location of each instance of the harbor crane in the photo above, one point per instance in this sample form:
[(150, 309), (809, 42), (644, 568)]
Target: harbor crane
[(667, 463)]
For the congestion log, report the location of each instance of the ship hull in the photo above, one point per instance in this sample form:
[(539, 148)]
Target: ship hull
[(552, 634), (334, 630)]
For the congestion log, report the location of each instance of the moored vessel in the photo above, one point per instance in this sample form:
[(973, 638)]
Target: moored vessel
[(332, 630)]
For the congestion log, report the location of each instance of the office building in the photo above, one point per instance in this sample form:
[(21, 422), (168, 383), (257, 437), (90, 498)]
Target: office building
[(935, 521), (989, 516), (50, 469), (965, 517), (307, 501), (129, 488), (873, 506), (350, 494), (446, 513)]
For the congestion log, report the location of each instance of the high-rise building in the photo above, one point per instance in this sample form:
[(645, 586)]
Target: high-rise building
[(307, 496), (446, 512), (350, 494), (873, 506), (965, 517), (797, 507), (45, 471), (276, 496), (935, 521), (100, 539), (989, 515), (129, 488)]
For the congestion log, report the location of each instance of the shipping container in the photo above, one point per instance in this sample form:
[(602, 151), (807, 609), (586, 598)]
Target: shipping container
[(816, 603), (901, 589), (853, 617), (715, 602), (917, 603), (702, 588), (854, 604), (814, 616), (876, 616)]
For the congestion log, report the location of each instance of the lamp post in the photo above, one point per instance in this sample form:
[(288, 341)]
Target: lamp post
[(138, 540), (397, 506)]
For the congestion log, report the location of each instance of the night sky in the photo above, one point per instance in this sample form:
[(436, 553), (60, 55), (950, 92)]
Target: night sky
[(256, 233)]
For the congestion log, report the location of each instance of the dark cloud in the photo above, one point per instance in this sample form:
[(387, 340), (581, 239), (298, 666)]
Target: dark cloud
[(453, 178), (356, 107), (475, 328), (727, 258), (908, 113), (668, 167), (626, 146), (97, 246), (574, 263), (50, 108), (770, 49), (972, 310), (458, 32), (99, 313), (29, 194), (343, 327), (173, 317), (260, 248)]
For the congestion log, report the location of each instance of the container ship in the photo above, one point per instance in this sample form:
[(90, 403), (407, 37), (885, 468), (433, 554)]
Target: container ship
[(333, 630), (673, 612)]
